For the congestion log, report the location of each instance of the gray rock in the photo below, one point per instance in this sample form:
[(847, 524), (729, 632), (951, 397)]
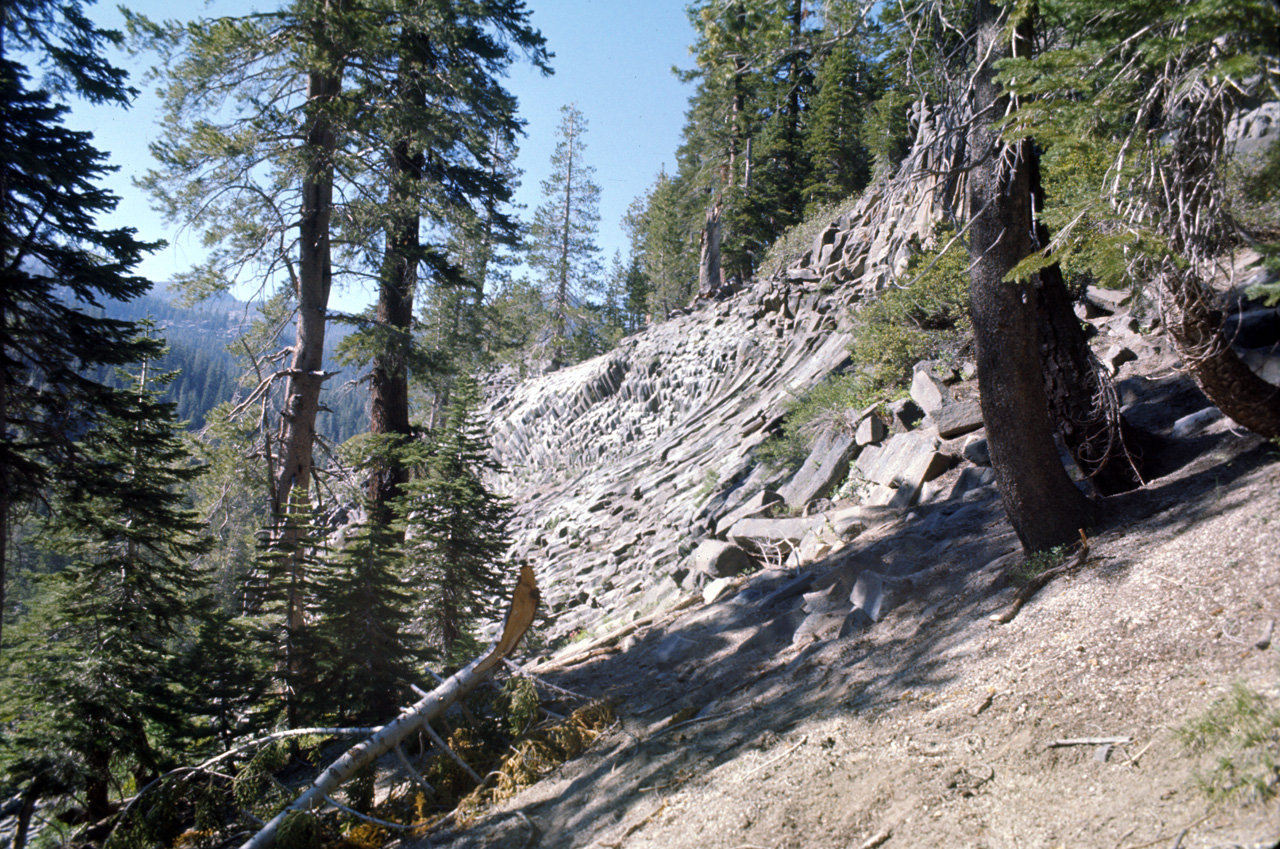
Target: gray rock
[(977, 451), (1110, 300), (829, 626), (970, 479), (900, 466), (671, 650), (957, 419), (781, 535), (1194, 423), (826, 466), (868, 594), (760, 504), (1118, 355), (906, 414), (719, 559), (871, 431), (1265, 363), (849, 522), (828, 599), (928, 391), (716, 590)]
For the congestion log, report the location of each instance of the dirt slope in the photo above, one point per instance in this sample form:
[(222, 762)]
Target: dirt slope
[(932, 727)]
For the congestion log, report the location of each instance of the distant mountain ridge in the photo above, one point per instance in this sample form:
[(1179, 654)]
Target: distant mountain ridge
[(207, 373)]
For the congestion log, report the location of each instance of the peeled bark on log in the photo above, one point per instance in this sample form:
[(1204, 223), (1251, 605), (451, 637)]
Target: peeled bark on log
[(434, 704)]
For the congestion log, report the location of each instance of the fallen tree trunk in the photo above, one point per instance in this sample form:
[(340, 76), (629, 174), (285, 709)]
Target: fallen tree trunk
[(429, 707)]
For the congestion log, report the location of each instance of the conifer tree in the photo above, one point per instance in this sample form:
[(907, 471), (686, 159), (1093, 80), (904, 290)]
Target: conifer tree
[(94, 685), (1157, 84), (456, 530), (366, 655), (562, 237), (56, 265)]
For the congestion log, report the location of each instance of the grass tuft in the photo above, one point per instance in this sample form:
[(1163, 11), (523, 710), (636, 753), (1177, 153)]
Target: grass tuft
[(1242, 730)]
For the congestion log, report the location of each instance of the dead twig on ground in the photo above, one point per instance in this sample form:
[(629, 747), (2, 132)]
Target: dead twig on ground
[(773, 761), (1034, 585), (876, 839), (1091, 741)]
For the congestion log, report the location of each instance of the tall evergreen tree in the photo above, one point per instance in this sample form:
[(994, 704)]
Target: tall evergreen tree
[(268, 122), (562, 238), (456, 530), (56, 265), (93, 681)]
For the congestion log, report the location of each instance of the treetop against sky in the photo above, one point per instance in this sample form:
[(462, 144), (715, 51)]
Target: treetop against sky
[(613, 58)]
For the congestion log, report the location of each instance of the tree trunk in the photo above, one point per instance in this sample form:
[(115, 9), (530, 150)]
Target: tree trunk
[(305, 376), (389, 384), (1230, 384), (1043, 505), (709, 262), (1082, 400)]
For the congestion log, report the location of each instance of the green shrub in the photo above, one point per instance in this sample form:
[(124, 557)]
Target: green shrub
[(828, 403), (926, 319), (798, 238)]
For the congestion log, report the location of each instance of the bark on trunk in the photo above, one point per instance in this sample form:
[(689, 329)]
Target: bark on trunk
[(1082, 399), (1043, 505), (389, 383), (305, 376), (1230, 384), (709, 261)]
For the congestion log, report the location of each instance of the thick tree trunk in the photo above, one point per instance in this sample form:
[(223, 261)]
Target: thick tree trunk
[(1230, 384), (389, 384), (1043, 505), (1082, 400)]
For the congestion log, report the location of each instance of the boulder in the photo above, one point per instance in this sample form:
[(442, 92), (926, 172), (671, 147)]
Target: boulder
[(905, 414), (977, 451), (719, 559), (770, 536), (826, 466), (1194, 423), (871, 431), (760, 504), (928, 391), (957, 419)]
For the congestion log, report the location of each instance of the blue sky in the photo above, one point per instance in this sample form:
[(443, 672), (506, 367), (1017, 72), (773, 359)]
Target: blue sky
[(613, 58)]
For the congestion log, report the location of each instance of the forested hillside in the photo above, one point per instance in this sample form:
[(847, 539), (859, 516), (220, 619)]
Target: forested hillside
[(936, 298), (202, 342)]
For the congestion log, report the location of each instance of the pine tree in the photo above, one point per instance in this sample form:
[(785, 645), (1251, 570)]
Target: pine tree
[(269, 121), (839, 162), (456, 530), (56, 265), (366, 656), (93, 681), (563, 234)]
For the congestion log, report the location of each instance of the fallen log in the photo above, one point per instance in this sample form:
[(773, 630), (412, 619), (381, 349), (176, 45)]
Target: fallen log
[(457, 686)]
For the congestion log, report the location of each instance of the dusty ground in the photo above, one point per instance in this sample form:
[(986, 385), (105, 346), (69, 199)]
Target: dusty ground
[(933, 727)]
